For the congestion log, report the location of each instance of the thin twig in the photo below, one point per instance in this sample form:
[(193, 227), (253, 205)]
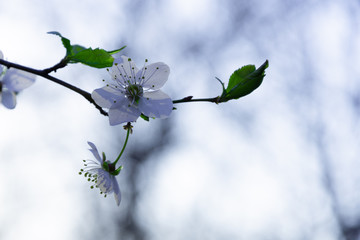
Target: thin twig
[(190, 99), (61, 64)]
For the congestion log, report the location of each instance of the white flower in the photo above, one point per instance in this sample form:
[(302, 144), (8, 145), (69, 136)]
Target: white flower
[(134, 91), (102, 173), (13, 81)]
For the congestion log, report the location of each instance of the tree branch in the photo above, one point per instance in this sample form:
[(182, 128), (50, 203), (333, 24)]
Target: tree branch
[(45, 74)]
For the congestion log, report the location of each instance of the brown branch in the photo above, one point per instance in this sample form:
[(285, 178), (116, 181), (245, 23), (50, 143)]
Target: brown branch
[(45, 74)]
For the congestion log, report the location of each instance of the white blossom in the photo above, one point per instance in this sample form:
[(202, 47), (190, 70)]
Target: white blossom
[(102, 174), (12, 81), (133, 91)]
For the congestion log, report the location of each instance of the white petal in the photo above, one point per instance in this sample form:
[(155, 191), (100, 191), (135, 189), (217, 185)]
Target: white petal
[(8, 99), (95, 152), (154, 76), (124, 70), (106, 96), (156, 104), (104, 181), (17, 80), (117, 192), (122, 112)]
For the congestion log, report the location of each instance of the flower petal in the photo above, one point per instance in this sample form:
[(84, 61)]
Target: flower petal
[(156, 104), (95, 152), (117, 192), (17, 80), (122, 111), (124, 70), (8, 99), (154, 75), (106, 96), (104, 181)]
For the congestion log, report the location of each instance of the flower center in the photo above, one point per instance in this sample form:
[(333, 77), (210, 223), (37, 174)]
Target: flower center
[(134, 92)]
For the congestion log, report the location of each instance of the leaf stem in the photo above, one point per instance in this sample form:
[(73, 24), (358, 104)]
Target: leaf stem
[(190, 99)]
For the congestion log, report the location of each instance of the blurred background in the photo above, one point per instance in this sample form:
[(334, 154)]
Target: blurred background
[(280, 163)]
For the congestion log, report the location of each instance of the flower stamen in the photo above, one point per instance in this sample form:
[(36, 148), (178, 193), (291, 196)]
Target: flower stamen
[(134, 93)]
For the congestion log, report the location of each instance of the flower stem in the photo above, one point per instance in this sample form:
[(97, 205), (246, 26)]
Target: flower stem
[(126, 140)]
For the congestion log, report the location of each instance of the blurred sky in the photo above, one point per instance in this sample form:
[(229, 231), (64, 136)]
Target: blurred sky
[(281, 163)]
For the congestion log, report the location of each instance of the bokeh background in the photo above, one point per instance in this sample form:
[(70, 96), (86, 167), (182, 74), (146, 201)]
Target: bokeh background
[(281, 163)]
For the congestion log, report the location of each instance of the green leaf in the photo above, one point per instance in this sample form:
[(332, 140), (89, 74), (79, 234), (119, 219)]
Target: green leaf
[(239, 76), (98, 58), (243, 81), (76, 49)]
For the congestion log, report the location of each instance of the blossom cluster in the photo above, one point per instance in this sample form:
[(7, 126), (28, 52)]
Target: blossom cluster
[(130, 93)]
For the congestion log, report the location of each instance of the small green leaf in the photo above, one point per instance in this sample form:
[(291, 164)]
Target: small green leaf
[(76, 49), (239, 76), (243, 81), (98, 58)]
